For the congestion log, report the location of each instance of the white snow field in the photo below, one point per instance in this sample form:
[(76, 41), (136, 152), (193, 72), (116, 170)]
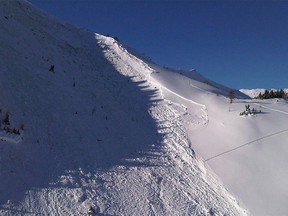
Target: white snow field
[(85, 123)]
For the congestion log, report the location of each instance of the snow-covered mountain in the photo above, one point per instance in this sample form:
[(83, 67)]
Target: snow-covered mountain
[(252, 92), (85, 123), (255, 92)]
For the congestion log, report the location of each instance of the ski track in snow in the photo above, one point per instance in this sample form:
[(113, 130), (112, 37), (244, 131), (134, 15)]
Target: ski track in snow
[(245, 144), (255, 140), (276, 110)]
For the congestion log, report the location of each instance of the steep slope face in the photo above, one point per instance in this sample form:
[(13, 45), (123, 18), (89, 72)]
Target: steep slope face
[(248, 152), (83, 123), (174, 113)]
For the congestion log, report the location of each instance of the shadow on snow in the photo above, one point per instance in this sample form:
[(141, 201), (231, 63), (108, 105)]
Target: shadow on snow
[(78, 128)]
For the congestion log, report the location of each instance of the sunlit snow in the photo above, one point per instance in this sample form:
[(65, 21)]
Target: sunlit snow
[(93, 126)]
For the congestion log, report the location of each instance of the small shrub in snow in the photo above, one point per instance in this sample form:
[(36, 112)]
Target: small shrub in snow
[(249, 111), (52, 68), (6, 126), (116, 38), (6, 120)]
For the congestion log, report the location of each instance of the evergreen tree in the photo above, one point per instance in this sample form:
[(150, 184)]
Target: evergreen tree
[(266, 94), (260, 95), (282, 93), (231, 95)]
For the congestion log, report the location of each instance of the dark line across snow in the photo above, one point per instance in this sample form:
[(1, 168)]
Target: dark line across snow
[(248, 143)]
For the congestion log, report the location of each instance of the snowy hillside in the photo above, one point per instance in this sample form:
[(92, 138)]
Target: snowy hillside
[(86, 124), (249, 153)]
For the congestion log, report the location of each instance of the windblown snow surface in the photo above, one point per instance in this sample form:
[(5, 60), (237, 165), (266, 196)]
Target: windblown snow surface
[(92, 125)]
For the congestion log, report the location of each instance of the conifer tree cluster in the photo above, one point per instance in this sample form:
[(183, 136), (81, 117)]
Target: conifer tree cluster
[(272, 94)]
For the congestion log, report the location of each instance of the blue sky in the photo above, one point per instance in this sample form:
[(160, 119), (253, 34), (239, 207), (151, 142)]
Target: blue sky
[(241, 44)]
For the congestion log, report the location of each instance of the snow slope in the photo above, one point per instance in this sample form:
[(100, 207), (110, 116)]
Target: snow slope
[(96, 126), (249, 153)]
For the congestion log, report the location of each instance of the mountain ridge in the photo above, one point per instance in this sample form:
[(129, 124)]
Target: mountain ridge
[(99, 128)]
